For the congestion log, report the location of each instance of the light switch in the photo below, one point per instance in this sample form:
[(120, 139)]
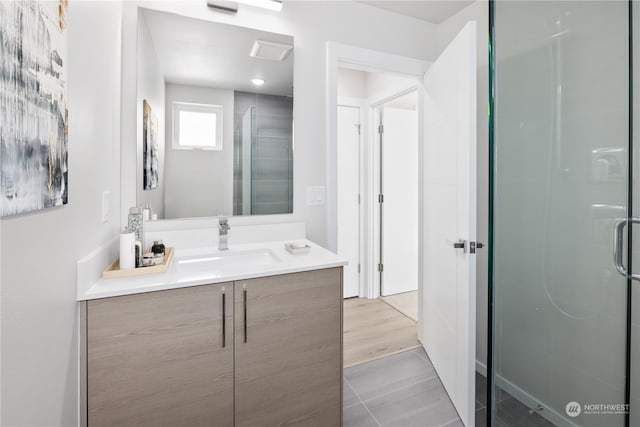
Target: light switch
[(315, 196), (106, 206)]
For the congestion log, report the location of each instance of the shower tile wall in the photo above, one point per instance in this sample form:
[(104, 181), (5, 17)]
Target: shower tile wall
[(271, 153)]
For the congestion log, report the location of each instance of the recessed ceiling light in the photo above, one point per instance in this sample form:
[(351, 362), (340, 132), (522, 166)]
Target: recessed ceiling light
[(257, 81)]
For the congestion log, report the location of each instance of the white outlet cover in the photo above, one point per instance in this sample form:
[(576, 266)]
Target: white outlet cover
[(315, 195)]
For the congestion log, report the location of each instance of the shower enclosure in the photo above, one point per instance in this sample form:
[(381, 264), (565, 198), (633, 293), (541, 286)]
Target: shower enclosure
[(564, 322), (263, 154)]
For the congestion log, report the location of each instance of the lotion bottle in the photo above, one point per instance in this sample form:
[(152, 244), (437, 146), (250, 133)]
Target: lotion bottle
[(127, 250)]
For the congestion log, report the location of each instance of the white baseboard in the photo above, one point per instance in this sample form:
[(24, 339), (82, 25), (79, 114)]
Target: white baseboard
[(531, 402)]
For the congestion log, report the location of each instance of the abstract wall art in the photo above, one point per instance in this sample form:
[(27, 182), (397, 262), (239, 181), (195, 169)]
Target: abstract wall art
[(33, 105), (149, 147)]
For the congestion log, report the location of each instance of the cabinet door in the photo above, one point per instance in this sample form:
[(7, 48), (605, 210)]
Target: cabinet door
[(158, 359), (288, 353)]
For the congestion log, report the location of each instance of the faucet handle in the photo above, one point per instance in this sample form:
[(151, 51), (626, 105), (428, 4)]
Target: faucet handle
[(223, 222)]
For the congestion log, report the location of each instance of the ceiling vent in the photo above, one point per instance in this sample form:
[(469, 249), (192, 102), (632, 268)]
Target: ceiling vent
[(270, 50)]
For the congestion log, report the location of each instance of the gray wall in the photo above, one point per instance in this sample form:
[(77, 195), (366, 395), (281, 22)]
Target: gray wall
[(199, 182), (150, 84), (39, 250)]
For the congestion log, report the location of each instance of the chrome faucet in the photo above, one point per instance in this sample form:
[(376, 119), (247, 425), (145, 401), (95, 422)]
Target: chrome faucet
[(223, 227)]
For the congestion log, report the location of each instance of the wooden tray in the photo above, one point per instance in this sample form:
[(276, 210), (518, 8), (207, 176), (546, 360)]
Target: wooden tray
[(113, 271)]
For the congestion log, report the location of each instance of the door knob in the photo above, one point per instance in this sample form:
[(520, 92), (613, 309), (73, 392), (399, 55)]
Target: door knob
[(461, 244)]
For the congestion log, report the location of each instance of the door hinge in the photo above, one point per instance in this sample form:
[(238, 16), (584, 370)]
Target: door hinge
[(380, 129), (358, 127), (380, 198), (380, 268), (358, 268), (358, 199)]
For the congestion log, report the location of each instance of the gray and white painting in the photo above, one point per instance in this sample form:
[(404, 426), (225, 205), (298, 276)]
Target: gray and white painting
[(149, 147), (33, 105)]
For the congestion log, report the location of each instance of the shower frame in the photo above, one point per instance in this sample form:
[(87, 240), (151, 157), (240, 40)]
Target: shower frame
[(491, 401)]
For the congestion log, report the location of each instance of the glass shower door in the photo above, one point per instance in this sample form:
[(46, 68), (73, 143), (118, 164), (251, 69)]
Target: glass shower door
[(559, 183)]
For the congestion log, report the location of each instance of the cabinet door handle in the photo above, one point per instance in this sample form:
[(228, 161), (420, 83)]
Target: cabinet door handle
[(224, 319), (244, 306)]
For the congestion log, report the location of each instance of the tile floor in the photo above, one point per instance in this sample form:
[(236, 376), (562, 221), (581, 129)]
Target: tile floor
[(403, 390), (510, 411)]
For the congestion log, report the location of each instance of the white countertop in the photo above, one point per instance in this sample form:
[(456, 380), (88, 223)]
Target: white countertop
[(182, 275)]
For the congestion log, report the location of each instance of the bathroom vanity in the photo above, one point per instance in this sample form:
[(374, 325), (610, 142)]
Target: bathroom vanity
[(250, 336), (216, 342)]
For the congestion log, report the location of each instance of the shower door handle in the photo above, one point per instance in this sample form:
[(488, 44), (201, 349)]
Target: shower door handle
[(618, 240)]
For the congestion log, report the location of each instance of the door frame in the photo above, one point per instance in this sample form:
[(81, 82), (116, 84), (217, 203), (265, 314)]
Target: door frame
[(346, 56), (344, 101), (376, 106)]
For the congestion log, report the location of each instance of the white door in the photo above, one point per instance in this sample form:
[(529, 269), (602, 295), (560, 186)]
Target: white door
[(449, 274), (348, 196), (400, 204)]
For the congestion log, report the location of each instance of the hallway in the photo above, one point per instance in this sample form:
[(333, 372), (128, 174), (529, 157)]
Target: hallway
[(374, 329)]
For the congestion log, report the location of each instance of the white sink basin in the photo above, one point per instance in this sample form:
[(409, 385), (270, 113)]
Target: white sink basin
[(223, 260)]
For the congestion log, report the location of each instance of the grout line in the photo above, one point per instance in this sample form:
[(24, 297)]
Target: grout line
[(451, 422), (435, 375), (352, 405), (399, 388), (361, 402), (344, 378), (371, 413), (504, 393)]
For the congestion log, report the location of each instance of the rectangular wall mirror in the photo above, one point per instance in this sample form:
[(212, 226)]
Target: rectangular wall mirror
[(215, 118)]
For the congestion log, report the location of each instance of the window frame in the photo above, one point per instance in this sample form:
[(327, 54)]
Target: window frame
[(178, 106)]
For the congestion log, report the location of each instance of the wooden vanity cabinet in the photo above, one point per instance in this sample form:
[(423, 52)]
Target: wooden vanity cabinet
[(161, 358), (164, 359), (288, 353)]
